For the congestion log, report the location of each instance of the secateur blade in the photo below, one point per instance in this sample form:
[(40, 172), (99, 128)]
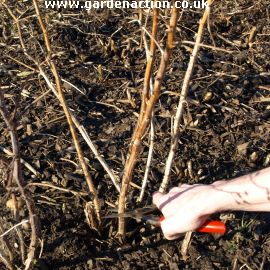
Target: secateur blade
[(145, 214)]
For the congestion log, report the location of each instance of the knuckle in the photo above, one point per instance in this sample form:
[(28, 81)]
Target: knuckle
[(174, 190)]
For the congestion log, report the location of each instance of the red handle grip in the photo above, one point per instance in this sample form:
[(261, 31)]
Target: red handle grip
[(213, 226)]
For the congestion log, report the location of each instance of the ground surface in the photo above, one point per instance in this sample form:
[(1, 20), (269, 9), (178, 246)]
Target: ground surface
[(225, 132)]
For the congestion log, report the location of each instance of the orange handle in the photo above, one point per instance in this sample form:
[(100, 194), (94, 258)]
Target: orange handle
[(213, 226)]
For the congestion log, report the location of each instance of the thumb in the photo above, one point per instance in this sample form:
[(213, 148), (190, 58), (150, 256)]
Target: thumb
[(171, 229)]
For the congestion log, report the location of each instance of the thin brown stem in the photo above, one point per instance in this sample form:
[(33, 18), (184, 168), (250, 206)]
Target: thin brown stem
[(68, 116), (135, 147), (18, 179), (150, 60), (149, 68)]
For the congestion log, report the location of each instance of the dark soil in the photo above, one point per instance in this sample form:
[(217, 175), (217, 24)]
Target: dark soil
[(225, 131)]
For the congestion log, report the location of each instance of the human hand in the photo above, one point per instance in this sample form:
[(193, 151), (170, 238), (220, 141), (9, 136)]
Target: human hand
[(185, 208)]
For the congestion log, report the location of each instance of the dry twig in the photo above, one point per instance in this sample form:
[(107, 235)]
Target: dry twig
[(97, 155), (25, 163), (149, 159), (13, 227)]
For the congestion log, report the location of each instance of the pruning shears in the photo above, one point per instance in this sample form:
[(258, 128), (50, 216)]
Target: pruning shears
[(148, 215)]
